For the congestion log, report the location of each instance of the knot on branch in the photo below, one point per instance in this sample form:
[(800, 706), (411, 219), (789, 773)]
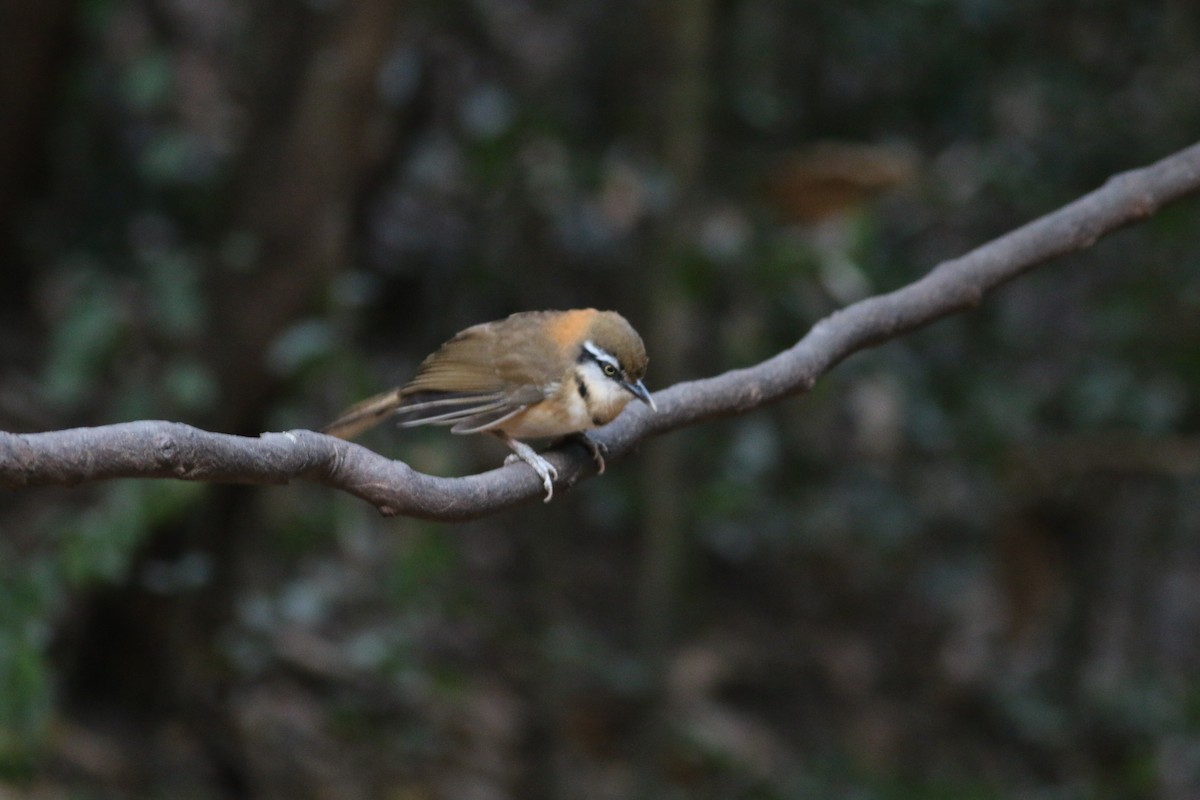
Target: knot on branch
[(167, 451)]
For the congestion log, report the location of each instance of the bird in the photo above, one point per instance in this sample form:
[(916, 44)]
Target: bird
[(532, 375)]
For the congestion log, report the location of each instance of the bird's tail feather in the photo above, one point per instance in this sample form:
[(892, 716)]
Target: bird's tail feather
[(367, 414)]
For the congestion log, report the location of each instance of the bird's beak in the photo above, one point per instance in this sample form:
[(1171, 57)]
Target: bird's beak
[(639, 390)]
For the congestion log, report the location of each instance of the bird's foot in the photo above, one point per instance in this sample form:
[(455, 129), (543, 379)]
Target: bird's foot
[(545, 470), (598, 449)]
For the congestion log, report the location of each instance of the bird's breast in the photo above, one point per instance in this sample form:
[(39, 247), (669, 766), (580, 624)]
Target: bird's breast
[(563, 412), (582, 400)]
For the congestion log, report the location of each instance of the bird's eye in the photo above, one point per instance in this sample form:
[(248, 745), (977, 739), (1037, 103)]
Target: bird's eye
[(609, 370)]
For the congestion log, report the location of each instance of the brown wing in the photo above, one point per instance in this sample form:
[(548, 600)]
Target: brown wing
[(484, 375), (475, 381)]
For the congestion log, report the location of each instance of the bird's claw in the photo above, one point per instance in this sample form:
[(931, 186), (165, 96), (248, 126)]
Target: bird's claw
[(545, 470), (598, 450)]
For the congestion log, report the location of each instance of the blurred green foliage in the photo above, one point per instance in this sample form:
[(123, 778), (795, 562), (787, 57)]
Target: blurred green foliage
[(964, 566)]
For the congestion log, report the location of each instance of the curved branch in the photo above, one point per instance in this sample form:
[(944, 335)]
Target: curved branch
[(151, 449)]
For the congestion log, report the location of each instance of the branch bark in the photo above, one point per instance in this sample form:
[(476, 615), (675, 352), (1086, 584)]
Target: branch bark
[(155, 449)]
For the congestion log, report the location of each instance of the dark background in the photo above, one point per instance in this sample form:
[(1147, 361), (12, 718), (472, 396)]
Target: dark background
[(965, 566)]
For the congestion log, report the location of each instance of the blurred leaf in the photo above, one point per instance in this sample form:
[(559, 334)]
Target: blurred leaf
[(417, 571), (172, 157), (176, 296), (299, 346), (84, 338), (190, 386), (148, 80), (29, 593), (98, 543)]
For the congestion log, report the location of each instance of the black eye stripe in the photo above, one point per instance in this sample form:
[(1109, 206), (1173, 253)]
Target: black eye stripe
[(602, 357)]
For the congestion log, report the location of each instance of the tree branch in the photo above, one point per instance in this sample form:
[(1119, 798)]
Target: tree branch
[(151, 449)]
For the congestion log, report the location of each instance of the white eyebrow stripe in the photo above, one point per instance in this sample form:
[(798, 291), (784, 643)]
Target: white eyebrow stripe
[(600, 354)]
